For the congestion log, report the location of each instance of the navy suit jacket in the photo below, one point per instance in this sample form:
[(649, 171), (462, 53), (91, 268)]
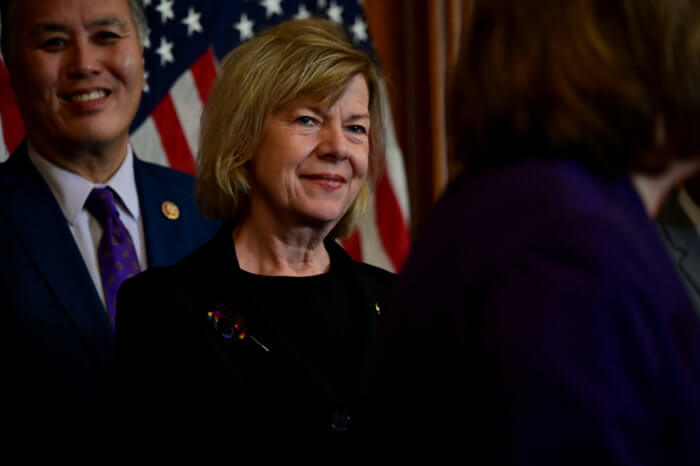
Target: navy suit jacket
[(58, 346), (539, 321)]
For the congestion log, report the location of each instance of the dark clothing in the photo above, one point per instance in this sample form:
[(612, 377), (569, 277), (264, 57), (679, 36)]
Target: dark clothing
[(184, 383), (539, 321), (57, 342), (315, 316)]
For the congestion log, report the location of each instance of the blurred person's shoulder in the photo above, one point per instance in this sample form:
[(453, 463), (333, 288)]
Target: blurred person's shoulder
[(501, 213)]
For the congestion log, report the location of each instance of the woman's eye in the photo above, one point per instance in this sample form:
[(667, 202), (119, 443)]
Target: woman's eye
[(306, 120), (357, 129)]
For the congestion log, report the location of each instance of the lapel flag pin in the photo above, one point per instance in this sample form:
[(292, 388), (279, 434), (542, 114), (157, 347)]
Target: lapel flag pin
[(170, 210)]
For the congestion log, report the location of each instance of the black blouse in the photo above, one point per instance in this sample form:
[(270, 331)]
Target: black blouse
[(314, 315), (292, 383)]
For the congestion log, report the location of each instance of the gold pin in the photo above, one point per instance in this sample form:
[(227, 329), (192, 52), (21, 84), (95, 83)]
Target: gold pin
[(379, 311), (170, 210)]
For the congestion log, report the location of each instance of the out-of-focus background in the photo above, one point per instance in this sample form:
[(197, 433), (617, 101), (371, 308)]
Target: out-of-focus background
[(417, 42)]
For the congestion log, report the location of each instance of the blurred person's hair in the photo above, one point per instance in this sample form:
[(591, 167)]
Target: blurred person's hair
[(310, 59), (592, 80)]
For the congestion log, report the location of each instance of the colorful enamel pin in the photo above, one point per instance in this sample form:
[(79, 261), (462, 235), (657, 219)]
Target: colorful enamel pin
[(231, 327)]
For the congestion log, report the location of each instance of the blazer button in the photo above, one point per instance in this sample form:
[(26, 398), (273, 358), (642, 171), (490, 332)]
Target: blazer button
[(340, 422)]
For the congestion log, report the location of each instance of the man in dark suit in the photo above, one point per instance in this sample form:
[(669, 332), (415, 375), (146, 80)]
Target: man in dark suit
[(76, 67), (679, 221)]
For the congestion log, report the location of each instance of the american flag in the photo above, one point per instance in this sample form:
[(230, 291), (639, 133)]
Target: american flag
[(186, 40)]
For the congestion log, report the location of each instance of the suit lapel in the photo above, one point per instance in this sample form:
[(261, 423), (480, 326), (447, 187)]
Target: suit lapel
[(683, 238), (41, 227), (162, 234)]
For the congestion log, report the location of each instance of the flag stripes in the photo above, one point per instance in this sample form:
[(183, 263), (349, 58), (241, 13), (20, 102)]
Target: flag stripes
[(166, 130)]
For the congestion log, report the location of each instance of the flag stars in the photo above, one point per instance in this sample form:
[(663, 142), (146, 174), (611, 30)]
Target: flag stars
[(146, 2), (303, 13), (359, 30), (192, 21), (335, 13), (166, 52), (321, 3), (272, 7), (245, 27), (165, 8), (146, 88)]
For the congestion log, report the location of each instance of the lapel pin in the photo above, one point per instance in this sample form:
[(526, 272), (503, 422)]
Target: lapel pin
[(376, 307), (231, 327), (170, 210)]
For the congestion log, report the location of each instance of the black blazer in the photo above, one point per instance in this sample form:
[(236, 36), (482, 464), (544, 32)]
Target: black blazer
[(190, 391)]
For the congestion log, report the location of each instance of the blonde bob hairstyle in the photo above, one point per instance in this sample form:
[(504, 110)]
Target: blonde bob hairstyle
[(308, 58)]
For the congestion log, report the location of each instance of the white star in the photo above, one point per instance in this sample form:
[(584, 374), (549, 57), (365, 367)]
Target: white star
[(146, 2), (166, 52), (359, 30), (303, 12), (272, 7), (147, 39), (335, 13), (192, 22), (245, 27), (145, 82), (166, 10), (321, 3)]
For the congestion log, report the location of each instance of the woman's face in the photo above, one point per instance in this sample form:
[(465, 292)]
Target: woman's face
[(313, 159)]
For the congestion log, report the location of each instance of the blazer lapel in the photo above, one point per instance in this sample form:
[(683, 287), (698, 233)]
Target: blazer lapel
[(684, 240), (41, 227), (162, 234), (366, 308)]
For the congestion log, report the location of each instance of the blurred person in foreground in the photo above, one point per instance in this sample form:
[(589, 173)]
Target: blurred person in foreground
[(259, 344), (539, 319), (79, 212)]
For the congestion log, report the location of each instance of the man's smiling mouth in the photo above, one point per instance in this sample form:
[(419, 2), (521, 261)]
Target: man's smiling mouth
[(86, 96)]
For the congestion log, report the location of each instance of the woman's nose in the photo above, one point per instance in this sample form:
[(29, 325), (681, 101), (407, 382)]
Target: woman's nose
[(333, 142)]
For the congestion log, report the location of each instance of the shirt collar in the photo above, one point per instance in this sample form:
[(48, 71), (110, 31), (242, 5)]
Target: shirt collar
[(72, 190)]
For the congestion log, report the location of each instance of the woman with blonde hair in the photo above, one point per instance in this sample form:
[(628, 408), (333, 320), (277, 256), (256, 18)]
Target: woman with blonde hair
[(263, 337)]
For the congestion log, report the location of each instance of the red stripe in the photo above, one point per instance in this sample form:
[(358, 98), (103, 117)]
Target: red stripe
[(12, 126), (204, 72), (172, 137), (352, 245), (392, 228)]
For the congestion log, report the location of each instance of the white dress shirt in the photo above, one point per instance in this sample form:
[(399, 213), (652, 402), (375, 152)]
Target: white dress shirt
[(72, 190)]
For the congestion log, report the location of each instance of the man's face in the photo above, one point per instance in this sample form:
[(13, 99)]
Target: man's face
[(77, 71)]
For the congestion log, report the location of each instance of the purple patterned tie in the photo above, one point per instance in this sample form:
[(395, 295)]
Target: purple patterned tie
[(116, 255)]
